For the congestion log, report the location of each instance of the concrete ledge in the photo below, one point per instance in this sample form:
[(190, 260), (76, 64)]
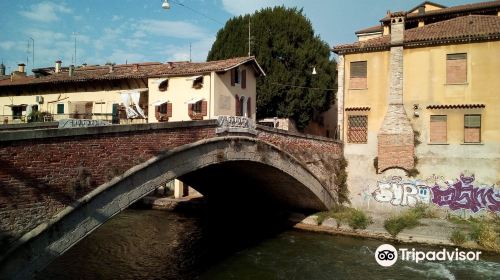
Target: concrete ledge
[(296, 134), (34, 125), (6, 136)]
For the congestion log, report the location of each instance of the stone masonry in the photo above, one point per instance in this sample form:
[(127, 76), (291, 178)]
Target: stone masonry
[(395, 138)]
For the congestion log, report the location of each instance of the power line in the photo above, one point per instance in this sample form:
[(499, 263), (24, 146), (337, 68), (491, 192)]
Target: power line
[(293, 86), (193, 10)]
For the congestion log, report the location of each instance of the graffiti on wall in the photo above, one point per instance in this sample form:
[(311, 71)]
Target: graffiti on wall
[(461, 193)]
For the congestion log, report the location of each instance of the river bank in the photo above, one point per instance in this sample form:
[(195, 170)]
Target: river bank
[(430, 231)]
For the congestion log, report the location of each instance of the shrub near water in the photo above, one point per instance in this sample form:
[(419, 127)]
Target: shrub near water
[(458, 237), (356, 219), (408, 219)]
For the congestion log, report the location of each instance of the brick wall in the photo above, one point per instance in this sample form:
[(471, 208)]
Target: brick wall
[(44, 171), (40, 177)]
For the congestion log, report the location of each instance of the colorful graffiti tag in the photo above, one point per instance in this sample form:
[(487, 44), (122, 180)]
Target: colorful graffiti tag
[(458, 194), (464, 195)]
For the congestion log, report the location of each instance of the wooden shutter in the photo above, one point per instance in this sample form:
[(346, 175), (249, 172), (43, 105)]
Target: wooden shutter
[(190, 109), (456, 68), (249, 108), (237, 104), (157, 113), (358, 75), (472, 128), (232, 77), (244, 79), (204, 105), (169, 109), (438, 129)]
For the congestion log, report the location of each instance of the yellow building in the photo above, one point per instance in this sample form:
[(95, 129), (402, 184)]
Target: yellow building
[(144, 92), (419, 94)]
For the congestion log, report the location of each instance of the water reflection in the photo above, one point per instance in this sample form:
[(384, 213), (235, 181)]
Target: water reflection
[(148, 244)]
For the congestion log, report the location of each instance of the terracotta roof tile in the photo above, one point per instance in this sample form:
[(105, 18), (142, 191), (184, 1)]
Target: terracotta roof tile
[(457, 106), (144, 70), (357, 109), (376, 28), (461, 29), (455, 9)]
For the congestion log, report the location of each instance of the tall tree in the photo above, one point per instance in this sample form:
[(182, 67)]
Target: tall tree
[(284, 43)]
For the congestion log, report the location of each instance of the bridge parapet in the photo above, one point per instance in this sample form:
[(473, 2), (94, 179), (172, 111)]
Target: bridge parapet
[(43, 171)]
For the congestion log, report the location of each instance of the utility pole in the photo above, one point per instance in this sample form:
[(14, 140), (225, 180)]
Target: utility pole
[(33, 52), (189, 51), (75, 34), (249, 38)]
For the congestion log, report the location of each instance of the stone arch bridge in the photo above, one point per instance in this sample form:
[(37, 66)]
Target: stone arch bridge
[(58, 185)]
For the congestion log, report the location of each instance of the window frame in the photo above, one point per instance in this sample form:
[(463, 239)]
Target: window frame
[(353, 76), (480, 127), (60, 105), (449, 58), (349, 129), (430, 129)]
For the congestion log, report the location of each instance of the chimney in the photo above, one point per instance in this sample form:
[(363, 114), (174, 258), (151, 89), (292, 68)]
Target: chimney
[(135, 67), (58, 66), (20, 67), (71, 70), (397, 28), (2, 69), (84, 64), (170, 64), (111, 68)]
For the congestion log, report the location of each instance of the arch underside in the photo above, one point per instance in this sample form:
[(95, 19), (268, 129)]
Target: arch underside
[(223, 169)]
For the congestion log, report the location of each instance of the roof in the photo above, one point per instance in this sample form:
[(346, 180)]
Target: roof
[(457, 10), (357, 109), (376, 28), (141, 70), (426, 3), (464, 29), (457, 106)]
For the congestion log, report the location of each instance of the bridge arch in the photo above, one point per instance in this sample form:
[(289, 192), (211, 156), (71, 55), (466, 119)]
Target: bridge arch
[(293, 183)]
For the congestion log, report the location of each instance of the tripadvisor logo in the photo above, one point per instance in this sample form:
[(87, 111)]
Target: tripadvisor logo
[(387, 255)]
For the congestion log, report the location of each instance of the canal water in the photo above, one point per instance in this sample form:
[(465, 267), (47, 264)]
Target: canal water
[(149, 244)]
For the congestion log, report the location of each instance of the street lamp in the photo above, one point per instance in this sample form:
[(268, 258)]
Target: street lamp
[(165, 5)]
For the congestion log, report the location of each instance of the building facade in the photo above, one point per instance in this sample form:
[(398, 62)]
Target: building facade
[(133, 93), (418, 109)]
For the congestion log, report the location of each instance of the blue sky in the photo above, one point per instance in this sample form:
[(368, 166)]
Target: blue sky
[(140, 30)]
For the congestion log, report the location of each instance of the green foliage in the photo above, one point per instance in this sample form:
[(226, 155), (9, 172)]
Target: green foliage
[(412, 172), (341, 181), (408, 219), (416, 138), (37, 116), (284, 43), (355, 218), (483, 230), (458, 237), (423, 211)]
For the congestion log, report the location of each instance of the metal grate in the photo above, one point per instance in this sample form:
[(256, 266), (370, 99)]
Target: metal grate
[(357, 129)]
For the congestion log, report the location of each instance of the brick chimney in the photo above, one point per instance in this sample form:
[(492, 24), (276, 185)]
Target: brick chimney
[(395, 138), (21, 68)]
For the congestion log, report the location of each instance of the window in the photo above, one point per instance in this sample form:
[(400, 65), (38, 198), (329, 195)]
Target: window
[(163, 111), (163, 86), (472, 128), (357, 129), (198, 82), (198, 110), (438, 129), (358, 78), (235, 76), (456, 68), (60, 108)]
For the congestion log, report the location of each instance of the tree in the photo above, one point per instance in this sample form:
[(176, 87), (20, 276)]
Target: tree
[(284, 43)]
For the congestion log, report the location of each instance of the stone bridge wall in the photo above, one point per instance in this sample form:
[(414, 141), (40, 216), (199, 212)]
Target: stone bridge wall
[(44, 171)]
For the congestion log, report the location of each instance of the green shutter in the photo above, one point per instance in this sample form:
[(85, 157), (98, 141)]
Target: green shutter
[(472, 121), (60, 108)]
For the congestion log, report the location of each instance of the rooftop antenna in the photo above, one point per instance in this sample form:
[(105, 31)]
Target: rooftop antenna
[(33, 53), (189, 51), (75, 34)]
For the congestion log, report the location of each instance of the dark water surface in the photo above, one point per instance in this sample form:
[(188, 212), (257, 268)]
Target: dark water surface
[(148, 244)]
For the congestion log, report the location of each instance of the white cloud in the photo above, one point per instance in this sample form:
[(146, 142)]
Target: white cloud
[(116, 17), (199, 50), (176, 29), (120, 56), (46, 11), (7, 45)]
